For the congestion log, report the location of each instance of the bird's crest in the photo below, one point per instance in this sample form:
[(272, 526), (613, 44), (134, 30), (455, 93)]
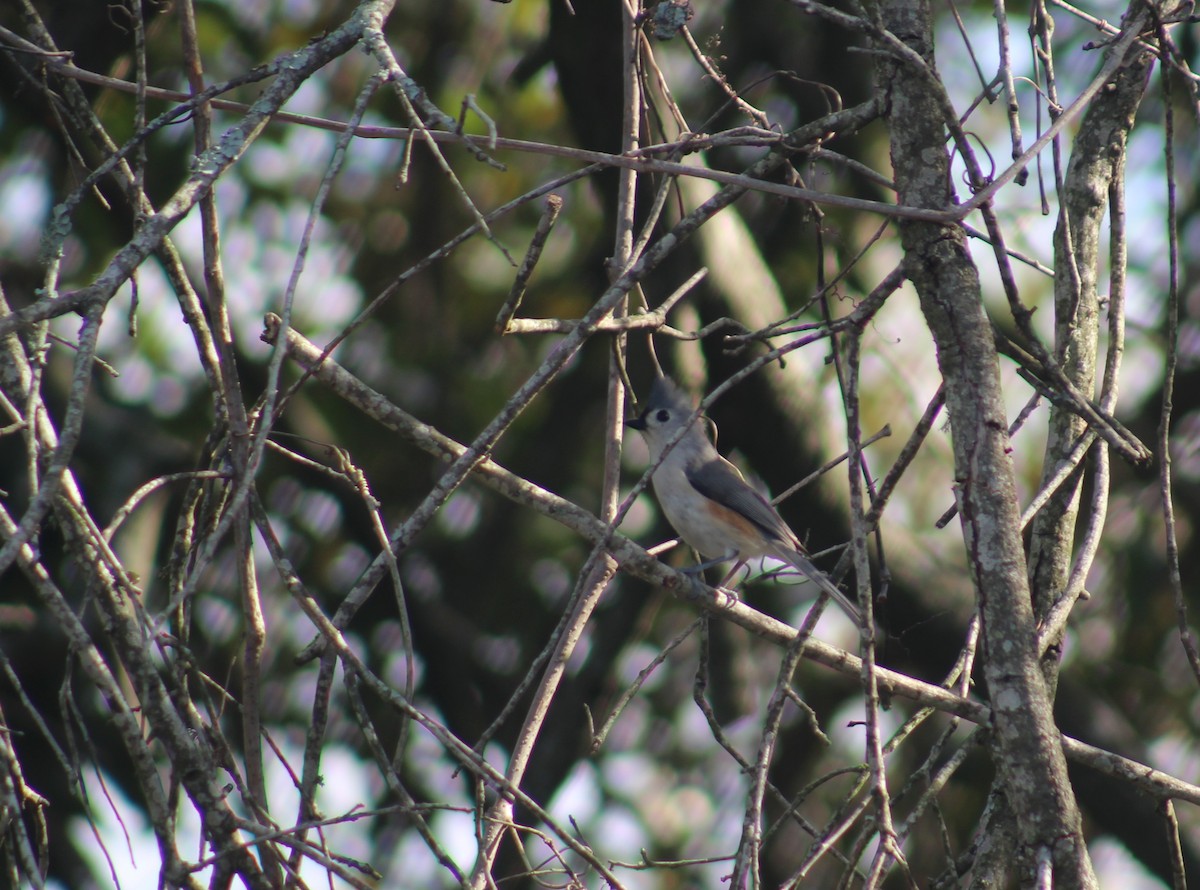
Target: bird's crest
[(666, 394)]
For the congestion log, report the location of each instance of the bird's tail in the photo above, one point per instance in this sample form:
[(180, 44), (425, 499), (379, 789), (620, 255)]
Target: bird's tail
[(804, 564)]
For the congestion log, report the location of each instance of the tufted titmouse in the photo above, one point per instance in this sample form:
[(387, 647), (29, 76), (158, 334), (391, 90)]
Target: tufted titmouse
[(708, 502)]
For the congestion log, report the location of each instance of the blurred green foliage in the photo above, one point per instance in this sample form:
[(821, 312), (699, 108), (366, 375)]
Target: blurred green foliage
[(486, 583)]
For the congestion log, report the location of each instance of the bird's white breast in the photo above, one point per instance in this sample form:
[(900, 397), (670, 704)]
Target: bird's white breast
[(690, 515)]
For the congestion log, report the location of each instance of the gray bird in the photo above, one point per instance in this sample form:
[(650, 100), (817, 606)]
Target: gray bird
[(709, 503)]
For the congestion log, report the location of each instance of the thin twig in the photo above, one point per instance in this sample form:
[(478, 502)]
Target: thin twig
[(1166, 409), (553, 205)]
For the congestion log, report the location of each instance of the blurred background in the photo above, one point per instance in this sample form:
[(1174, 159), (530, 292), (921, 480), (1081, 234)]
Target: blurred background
[(486, 583)]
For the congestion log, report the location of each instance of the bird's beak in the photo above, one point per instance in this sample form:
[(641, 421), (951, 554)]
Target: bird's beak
[(638, 423)]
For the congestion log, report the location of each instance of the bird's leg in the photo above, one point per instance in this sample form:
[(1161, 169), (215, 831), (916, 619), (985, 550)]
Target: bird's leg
[(708, 564), (699, 568), (736, 568)]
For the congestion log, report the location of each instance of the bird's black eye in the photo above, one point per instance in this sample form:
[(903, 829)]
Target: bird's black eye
[(662, 415)]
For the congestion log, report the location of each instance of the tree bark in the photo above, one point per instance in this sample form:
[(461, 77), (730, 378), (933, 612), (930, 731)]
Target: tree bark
[(1097, 161), (1029, 759)]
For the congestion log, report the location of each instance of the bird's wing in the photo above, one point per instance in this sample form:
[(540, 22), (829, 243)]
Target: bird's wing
[(720, 481)]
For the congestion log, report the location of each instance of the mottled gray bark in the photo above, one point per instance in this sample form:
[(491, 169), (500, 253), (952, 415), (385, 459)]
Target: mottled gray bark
[(1097, 159), (1024, 742)]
